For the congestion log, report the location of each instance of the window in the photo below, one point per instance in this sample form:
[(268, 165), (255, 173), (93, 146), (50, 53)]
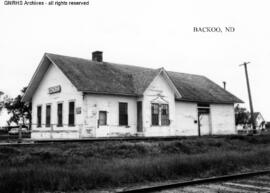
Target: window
[(102, 118), (165, 114), (203, 108), (48, 115), (39, 111), (139, 116), (155, 114), (160, 114), (71, 113), (60, 114), (123, 115)]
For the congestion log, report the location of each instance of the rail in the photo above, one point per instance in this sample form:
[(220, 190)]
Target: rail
[(194, 182)]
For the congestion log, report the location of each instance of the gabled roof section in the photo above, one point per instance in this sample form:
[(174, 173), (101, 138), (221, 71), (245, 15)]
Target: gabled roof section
[(94, 77), (162, 71), (117, 79), (172, 85), (197, 88), (142, 77), (36, 78)]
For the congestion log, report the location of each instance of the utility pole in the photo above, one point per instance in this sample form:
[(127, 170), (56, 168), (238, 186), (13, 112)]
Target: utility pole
[(250, 98)]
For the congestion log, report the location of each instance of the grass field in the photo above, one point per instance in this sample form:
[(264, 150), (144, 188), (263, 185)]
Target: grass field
[(86, 166)]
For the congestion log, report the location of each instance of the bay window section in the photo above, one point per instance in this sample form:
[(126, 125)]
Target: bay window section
[(160, 114), (155, 114), (165, 114)]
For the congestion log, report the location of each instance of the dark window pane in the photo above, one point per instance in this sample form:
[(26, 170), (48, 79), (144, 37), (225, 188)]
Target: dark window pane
[(59, 114), (139, 116), (71, 114), (123, 114), (203, 110), (39, 116), (165, 114), (155, 114), (48, 115), (102, 118)]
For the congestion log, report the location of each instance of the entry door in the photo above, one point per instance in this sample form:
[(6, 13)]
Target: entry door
[(139, 116), (205, 124)]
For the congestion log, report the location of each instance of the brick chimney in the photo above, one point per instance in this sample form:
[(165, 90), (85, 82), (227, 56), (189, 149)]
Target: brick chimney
[(97, 56), (224, 85)]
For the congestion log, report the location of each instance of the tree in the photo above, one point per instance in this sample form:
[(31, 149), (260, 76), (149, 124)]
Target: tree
[(267, 125), (242, 115), (18, 109), (1, 101)]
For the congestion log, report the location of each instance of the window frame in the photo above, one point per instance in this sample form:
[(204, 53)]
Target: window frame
[(60, 124), (152, 113), (39, 120), (48, 121), (167, 115), (69, 113), (106, 117), (123, 117), (159, 115)]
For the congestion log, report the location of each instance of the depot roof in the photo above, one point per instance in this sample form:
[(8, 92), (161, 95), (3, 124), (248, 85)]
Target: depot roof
[(91, 76)]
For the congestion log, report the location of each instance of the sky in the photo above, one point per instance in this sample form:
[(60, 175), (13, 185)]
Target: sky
[(148, 33)]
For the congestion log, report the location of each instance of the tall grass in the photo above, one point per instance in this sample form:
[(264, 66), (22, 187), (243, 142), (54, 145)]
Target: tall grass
[(89, 166)]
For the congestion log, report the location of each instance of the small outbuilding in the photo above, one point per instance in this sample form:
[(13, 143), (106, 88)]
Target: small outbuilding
[(259, 121), (80, 98)]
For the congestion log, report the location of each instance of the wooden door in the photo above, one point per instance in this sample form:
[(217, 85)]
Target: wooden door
[(205, 124), (204, 121)]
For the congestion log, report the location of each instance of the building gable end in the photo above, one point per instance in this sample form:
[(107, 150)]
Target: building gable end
[(38, 76), (164, 74)]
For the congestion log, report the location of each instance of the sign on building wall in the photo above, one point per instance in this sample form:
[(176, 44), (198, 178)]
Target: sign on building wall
[(55, 89), (78, 110)]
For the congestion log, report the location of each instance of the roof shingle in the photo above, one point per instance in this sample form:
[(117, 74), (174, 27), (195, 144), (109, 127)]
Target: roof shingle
[(117, 79)]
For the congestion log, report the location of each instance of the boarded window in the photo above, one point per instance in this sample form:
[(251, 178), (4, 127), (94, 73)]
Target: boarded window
[(39, 111), (155, 114), (102, 118), (48, 115), (60, 114), (165, 114), (123, 114), (71, 113)]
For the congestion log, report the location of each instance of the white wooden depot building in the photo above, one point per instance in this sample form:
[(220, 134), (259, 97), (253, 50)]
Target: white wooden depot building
[(80, 98)]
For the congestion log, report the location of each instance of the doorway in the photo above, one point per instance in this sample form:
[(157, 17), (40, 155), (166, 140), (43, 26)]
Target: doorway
[(204, 121)]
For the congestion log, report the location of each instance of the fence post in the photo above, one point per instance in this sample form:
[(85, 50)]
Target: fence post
[(20, 134)]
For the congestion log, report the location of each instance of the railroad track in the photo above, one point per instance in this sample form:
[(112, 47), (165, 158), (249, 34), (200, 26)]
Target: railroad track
[(227, 183)]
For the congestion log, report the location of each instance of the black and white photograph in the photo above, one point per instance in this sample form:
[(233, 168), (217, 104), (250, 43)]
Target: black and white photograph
[(130, 96)]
